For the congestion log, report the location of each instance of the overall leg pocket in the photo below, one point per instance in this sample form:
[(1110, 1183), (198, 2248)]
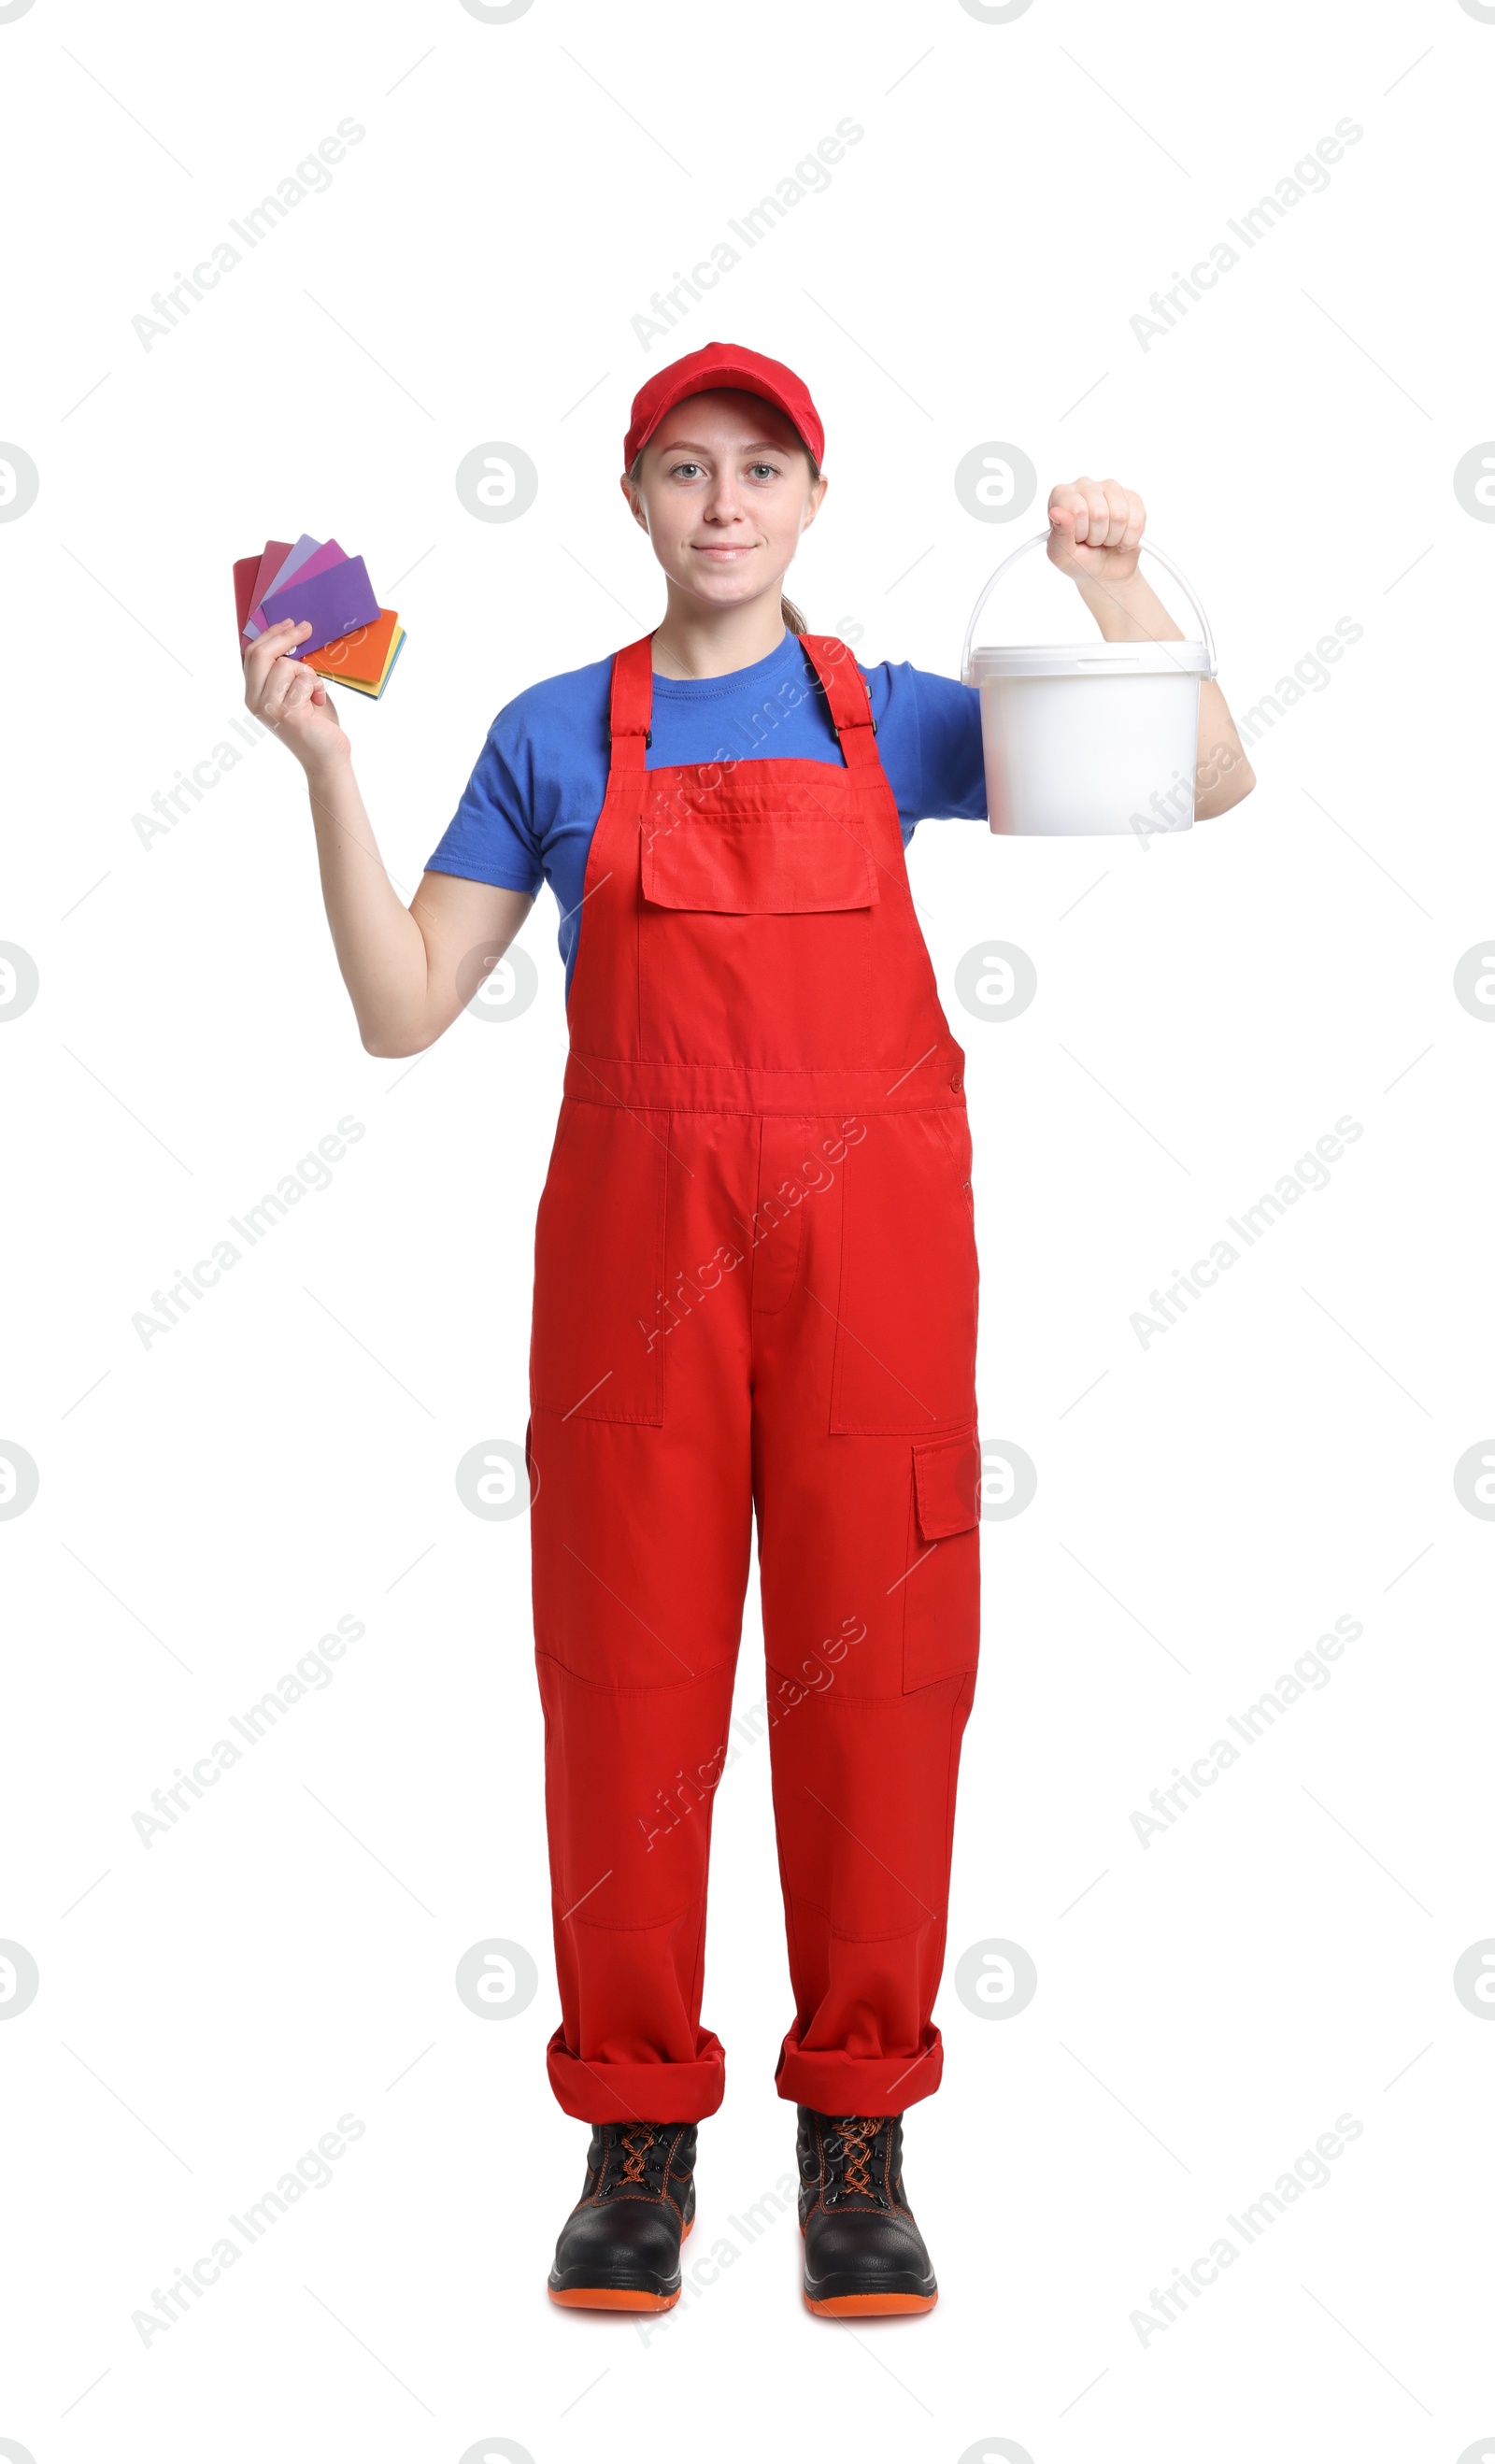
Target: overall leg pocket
[(943, 1589), (906, 1312), (596, 1345)]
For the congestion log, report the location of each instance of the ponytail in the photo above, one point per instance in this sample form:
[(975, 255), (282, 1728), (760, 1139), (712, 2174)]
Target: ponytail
[(794, 622)]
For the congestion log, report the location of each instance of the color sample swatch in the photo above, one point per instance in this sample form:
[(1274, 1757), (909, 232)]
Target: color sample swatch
[(278, 569), (298, 566), (362, 659), (276, 553), (244, 576), (331, 603), (353, 639)]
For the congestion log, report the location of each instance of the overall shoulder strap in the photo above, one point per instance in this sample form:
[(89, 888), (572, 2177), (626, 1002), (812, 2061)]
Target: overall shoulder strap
[(631, 703), (847, 694)]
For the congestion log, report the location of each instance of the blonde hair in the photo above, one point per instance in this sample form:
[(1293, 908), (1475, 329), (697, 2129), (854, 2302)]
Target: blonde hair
[(793, 619)]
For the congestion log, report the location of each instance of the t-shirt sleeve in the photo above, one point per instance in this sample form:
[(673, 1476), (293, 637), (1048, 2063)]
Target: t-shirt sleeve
[(929, 734), (491, 836)]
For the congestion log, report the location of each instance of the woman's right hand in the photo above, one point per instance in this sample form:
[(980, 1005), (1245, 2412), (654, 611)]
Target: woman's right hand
[(292, 699)]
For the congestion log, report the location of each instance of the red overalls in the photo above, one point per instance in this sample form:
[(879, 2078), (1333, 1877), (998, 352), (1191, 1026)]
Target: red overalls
[(755, 1288)]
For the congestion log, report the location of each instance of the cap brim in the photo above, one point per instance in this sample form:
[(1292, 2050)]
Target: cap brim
[(722, 381)]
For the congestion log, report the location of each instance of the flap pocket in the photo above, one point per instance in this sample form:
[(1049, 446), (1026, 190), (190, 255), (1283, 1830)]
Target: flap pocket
[(942, 1595), (779, 865), (947, 1485)]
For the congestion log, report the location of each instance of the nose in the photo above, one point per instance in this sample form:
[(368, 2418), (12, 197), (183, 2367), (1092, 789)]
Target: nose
[(722, 503)]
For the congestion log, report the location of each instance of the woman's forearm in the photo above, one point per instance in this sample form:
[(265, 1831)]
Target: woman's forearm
[(380, 947), (409, 970), (1132, 611)]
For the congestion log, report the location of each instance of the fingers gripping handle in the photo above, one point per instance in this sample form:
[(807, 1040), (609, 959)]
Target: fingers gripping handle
[(1037, 541)]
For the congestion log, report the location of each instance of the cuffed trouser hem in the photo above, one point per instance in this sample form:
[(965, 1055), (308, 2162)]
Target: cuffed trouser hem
[(840, 2083), (602, 2091)]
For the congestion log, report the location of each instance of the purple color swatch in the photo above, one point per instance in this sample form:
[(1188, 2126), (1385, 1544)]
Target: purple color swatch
[(332, 603)]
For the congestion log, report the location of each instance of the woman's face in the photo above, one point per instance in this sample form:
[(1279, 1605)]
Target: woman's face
[(724, 494)]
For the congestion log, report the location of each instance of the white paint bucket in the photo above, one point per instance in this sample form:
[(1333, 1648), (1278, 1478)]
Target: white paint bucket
[(1088, 740)]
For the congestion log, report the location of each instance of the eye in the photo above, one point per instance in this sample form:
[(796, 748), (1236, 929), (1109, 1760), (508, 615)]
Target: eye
[(677, 467), (766, 469)]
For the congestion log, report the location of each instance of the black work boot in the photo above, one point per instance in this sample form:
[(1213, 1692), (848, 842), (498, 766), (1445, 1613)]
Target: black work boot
[(864, 2255), (620, 2246)]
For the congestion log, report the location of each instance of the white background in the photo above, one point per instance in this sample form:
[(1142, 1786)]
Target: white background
[(210, 1505)]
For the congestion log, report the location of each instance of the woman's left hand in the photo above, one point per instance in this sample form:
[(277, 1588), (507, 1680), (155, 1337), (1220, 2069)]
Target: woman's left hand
[(1095, 532), (1095, 529)]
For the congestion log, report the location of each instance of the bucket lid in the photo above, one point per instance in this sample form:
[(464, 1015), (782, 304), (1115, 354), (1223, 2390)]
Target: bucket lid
[(1088, 659)]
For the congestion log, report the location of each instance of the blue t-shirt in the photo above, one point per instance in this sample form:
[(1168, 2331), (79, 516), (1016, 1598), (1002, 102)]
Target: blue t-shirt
[(528, 810)]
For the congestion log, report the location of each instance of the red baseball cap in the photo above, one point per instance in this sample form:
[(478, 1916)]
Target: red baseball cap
[(703, 371)]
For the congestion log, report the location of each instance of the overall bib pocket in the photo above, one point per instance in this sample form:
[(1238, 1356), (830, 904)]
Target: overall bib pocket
[(755, 938)]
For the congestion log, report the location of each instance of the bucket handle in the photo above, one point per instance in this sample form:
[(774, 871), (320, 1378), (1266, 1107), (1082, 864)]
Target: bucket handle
[(1037, 541)]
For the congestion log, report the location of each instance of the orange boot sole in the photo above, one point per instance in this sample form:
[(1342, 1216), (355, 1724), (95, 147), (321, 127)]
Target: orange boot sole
[(870, 2305), (614, 2296)]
